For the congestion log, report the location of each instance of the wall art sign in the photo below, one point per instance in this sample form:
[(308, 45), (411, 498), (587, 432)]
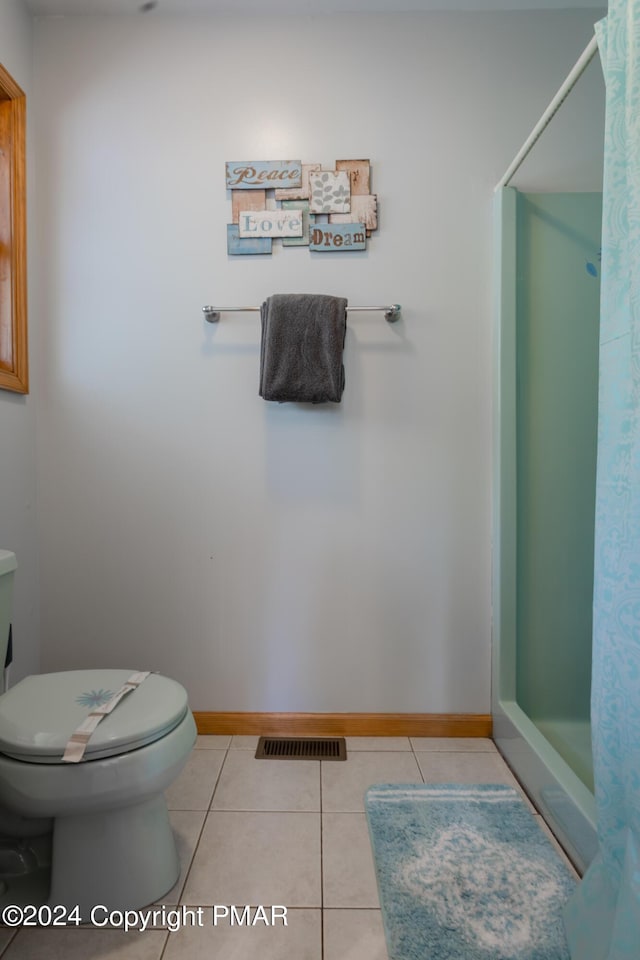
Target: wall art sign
[(265, 173), (270, 223), (238, 247), (301, 192), (343, 236), (330, 192), (308, 219), (300, 204)]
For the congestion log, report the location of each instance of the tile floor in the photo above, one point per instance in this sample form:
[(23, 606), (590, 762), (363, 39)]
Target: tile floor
[(282, 832)]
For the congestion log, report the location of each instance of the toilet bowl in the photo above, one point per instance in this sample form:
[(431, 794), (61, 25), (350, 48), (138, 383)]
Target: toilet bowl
[(112, 842)]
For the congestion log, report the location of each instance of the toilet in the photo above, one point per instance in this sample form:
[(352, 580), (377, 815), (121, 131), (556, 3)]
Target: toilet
[(102, 822)]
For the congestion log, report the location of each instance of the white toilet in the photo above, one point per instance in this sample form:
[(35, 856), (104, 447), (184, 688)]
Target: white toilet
[(112, 843)]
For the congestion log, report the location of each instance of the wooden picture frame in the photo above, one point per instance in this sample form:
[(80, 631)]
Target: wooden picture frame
[(14, 362)]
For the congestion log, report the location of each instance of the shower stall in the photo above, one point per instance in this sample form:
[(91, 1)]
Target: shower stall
[(547, 281)]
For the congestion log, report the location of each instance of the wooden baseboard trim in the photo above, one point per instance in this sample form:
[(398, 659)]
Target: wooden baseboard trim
[(345, 724)]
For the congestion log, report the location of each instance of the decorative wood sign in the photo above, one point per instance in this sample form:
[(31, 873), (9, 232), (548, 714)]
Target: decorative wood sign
[(364, 209), (343, 236), (302, 192), (292, 201), (330, 192), (308, 219), (264, 173), (270, 223), (247, 200), (359, 175), (237, 247)]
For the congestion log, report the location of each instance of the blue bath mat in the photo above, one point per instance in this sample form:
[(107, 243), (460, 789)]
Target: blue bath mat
[(465, 873)]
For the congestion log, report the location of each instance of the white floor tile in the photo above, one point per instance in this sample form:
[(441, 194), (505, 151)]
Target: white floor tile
[(348, 869), (439, 767), (86, 943), (6, 934), (454, 744), (249, 784), (212, 742), (244, 743), (258, 858), (193, 789), (265, 842), (344, 784), (301, 939), (187, 826), (377, 743), (354, 935)]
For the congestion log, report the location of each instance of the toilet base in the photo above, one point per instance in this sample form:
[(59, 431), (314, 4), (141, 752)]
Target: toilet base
[(121, 859), (28, 890), (25, 870)]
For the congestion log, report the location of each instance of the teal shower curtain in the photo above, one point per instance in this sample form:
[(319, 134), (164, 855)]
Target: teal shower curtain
[(603, 917)]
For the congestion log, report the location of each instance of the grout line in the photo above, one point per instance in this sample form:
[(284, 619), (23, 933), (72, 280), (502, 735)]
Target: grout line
[(254, 906), (9, 942), (204, 821), (165, 945), (415, 757), (193, 856), (215, 786), (346, 909), (207, 808)]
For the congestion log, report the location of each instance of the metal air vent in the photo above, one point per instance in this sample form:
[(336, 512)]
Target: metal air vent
[(304, 748)]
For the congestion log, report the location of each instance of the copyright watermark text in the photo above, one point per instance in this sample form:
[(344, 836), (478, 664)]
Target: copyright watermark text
[(166, 918)]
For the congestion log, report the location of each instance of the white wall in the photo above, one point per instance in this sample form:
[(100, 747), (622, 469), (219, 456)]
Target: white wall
[(18, 529), (274, 557)]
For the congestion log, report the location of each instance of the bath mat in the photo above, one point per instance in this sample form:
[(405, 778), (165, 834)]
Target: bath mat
[(465, 873)]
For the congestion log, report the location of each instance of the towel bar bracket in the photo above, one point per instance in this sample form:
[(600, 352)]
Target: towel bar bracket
[(212, 314)]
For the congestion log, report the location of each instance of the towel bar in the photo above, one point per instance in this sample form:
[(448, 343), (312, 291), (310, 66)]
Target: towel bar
[(212, 314)]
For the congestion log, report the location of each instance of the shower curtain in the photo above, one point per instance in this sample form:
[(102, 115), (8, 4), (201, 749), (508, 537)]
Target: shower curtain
[(603, 917)]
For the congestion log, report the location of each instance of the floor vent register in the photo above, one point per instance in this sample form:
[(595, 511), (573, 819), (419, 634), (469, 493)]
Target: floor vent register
[(304, 748)]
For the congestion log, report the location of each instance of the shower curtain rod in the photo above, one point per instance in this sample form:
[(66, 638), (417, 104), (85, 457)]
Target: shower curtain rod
[(581, 65)]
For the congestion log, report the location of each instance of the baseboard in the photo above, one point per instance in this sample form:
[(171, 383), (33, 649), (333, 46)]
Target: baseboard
[(345, 724)]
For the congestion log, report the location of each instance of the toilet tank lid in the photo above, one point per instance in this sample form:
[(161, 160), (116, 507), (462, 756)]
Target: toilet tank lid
[(40, 713), (8, 562)]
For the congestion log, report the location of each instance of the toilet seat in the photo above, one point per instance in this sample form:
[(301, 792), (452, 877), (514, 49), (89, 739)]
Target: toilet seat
[(39, 714)]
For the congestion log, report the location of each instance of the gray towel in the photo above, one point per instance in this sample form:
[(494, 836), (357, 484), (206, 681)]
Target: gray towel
[(301, 350)]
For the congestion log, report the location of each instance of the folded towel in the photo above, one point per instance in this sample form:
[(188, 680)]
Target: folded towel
[(301, 350)]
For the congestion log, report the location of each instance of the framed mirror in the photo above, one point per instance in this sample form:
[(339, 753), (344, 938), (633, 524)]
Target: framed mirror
[(14, 361)]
